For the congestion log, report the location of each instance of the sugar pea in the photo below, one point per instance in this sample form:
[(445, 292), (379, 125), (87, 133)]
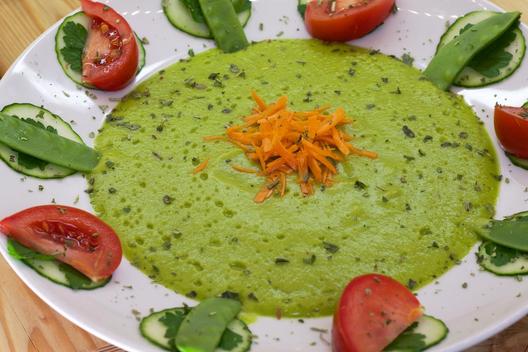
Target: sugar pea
[(453, 57), (223, 22), (512, 232), (44, 145), (203, 327)]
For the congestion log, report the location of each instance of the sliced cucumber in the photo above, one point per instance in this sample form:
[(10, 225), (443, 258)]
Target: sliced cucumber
[(83, 20), (522, 163), (509, 59), (424, 333), (501, 260), (52, 269), (63, 274), (180, 17), (161, 328), (26, 164)]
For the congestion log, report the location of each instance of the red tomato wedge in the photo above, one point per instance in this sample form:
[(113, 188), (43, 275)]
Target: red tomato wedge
[(373, 310), (73, 236), (343, 20), (511, 127), (111, 53)]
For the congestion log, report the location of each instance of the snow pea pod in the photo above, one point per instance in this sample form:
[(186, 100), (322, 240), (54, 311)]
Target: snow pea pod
[(512, 232), (223, 22), (203, 327), (454, 56), (42, 144)]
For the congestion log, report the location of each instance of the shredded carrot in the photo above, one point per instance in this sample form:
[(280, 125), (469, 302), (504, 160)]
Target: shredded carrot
[(244, 169), (214, 138), (201, 167), (281, 142)]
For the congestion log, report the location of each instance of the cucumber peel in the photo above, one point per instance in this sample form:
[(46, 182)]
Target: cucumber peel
[(457, 54), (45, 145)]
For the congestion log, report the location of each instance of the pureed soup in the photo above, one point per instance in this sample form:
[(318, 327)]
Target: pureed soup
[(410, 214)]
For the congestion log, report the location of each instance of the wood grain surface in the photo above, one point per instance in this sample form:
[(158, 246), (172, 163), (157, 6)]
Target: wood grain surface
[(26, 322)]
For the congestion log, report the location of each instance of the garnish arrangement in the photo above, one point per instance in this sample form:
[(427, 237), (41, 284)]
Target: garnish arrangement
[(307, 144), (271, 203)]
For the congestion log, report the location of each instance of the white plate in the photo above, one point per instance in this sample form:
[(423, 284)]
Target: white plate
[(488, 304)]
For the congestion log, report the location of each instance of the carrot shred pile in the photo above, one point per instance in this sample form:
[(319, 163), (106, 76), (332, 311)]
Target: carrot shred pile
[(283, 142)]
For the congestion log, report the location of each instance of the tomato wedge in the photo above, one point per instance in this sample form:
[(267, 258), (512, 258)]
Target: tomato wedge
[(343, 20), (511, 127), (373, 310), (111, 53), (73, 236)]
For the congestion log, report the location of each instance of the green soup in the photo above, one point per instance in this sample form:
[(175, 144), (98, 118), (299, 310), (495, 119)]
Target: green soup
[(410, 214)]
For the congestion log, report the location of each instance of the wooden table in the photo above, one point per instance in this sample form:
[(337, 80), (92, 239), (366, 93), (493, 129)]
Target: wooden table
[(26, 322)]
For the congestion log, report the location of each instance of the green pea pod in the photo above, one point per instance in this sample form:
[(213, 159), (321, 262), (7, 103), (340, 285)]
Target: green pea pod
[(512, 232), (44, 145), (203, 327), (454, 56), (223, 22)]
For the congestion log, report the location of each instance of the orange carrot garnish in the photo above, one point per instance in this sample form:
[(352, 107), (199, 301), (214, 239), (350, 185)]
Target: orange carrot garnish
[(201, 167), (283, 142)]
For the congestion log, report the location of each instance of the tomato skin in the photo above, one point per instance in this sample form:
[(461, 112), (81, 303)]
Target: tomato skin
[(511, 128), (348, 23), (120, 72), (373, 310), (73, 236)]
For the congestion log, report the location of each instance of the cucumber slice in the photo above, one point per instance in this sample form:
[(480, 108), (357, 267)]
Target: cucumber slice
[(160, 328), (52, 269), (522, 163), (469, 77), (180, 17), (63, 274), (501, 260), (28, 165), (83, 20), (424, 333)]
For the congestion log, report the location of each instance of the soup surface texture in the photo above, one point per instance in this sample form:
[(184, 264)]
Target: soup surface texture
[(410, 214)]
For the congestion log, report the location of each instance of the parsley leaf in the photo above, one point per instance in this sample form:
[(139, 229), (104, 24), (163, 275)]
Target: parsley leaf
[(194, 8), (302, 9), (230, 340), (409, 340), (492, 59), (75, 278), (172, 321), (525, 105), (241, 5), (28, 161), (75, 36), (499, 255), (18, 251)]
